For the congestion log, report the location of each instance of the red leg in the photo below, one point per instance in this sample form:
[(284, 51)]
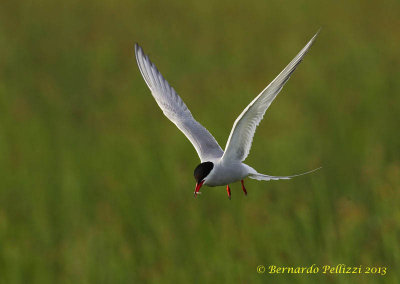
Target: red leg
[(228, 190), (243, 188)]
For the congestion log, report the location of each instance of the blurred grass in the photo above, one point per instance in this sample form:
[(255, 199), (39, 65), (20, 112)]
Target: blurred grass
[(96, 185)]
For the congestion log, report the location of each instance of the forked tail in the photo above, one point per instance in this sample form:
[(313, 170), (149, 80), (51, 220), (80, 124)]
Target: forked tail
[(259, 176)]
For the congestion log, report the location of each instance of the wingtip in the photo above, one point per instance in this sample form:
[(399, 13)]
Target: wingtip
[(139, 51), (317, 33), (311, 41)]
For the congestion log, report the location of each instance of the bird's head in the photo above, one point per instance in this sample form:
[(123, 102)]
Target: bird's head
[(201, 172)]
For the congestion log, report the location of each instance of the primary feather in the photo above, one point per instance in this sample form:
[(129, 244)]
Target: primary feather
[(241, 136), (175, 109)]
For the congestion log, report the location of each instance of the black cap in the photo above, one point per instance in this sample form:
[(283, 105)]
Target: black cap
[(202, 170)]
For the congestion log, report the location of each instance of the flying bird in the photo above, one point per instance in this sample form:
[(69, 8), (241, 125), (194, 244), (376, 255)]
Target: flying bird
[(218, 167)]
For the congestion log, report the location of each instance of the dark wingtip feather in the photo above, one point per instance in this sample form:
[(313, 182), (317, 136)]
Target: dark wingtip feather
[(137, 48)]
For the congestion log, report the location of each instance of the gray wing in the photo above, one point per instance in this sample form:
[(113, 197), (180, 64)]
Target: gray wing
[(175, 109), (241, 137)]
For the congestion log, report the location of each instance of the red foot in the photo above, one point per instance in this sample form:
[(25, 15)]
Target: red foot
[(228, 190), (243, 188)]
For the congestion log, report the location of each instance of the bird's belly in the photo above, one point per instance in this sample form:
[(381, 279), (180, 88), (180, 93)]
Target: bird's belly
[(227, 175)]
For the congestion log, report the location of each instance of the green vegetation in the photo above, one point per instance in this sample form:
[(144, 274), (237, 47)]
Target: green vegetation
[(96, 184)]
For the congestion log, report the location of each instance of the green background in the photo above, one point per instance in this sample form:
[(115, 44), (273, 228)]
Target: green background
[(96, 184)]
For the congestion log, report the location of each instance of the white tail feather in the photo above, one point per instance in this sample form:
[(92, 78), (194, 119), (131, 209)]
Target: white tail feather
[(259, 176)]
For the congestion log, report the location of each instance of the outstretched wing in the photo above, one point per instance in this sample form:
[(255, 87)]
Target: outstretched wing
[(175, 109), (239, 141)]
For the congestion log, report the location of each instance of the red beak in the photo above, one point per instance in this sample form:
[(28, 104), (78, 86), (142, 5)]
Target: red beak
[(198, 186)]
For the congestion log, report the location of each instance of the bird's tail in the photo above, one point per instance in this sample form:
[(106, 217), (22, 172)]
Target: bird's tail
[(259, 176)]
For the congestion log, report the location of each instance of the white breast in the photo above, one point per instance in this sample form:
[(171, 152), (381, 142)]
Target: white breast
[(223, 174)]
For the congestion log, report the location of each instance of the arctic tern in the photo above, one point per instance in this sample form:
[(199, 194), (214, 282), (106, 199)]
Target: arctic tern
[(218, 167)]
